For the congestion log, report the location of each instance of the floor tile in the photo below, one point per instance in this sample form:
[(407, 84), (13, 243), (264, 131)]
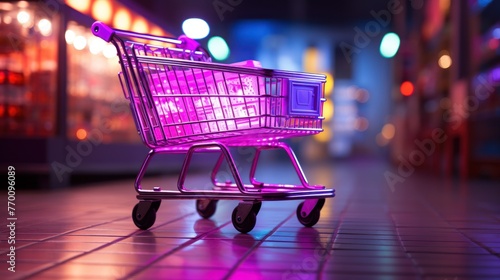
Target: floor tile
[(422, 230)]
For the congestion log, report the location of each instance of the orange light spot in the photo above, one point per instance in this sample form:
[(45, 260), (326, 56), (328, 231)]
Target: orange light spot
[(388, 131), (81, 134), (102, 10), (79, 5), (122, 19), (140, 26), (155, 30), (406, 88), (361, 124), (324, 136)]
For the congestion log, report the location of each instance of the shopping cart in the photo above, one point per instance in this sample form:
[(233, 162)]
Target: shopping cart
[(184, 103)]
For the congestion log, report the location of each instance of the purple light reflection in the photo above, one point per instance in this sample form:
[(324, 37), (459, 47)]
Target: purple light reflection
[(495, 75)]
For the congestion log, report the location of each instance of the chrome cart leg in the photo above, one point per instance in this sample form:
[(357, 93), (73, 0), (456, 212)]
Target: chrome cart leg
[(293, 159), (144, 212), (295, 162), (253, 169), (215, 171), (142, 171)]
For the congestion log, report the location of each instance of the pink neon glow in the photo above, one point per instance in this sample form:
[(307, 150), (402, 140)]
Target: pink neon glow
[(199, 105)]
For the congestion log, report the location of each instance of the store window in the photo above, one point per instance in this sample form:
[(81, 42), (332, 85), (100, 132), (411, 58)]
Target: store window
[(97, 108), (28, 66)]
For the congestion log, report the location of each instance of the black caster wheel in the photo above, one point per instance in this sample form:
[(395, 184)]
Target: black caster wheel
[(245, 225), (311, 219), (156, 205), (144, 221), (320, 204), (206, 210), (256, 207)]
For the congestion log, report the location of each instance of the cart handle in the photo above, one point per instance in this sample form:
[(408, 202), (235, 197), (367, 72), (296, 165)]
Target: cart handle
[(106, 33)]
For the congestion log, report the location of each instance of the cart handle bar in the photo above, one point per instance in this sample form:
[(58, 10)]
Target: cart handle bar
[(106, 33)]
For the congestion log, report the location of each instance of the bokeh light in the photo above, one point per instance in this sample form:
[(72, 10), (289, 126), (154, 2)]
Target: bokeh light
[(218, 48), (140, 26), (109, 51), (328, 110), (81, 134), (388, 131), (361, 124), (444, 61), (311, 59), (329, 83), (102, 10), (389, 45), (70, 36), (362, 95), (79, 5), (122, 19), (96, 45), (324, 136), (157, 31), (195, 28), (23, 17), (406, 88), (496, 33), (7, 19), (80, 42), (45, 27)]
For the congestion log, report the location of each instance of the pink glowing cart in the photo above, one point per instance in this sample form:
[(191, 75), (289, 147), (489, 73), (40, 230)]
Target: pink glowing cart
[(184, 103)]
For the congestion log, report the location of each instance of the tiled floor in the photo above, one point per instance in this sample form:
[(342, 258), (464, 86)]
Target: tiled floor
[(422, 228)]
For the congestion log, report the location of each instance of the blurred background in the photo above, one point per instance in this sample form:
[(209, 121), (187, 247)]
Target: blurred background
[(413, 83)]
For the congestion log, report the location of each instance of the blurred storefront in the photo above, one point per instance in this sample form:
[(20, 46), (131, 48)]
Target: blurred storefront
[(62, 109), (450, 57)]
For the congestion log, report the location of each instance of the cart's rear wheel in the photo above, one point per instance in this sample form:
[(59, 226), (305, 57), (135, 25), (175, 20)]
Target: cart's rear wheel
[(311, 219), (144, 221), (206, 210), (245, 225)]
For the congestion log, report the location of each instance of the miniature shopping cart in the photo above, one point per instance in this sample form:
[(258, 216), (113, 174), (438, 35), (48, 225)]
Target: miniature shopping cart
[(184, 103)]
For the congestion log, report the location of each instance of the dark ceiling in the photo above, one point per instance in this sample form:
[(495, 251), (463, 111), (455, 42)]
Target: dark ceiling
[(226, 12)]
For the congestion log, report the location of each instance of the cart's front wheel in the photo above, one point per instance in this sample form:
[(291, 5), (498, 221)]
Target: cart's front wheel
[(256, 207), (320, 204), (311, 219), (206, 208), (243, 225), (144, 221), (156, 205)]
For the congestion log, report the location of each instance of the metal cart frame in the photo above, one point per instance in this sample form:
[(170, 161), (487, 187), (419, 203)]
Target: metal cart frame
[(184, 103)]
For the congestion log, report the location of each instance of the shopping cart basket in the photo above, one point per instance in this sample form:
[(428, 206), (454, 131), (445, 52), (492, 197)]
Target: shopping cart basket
[(184, 103)]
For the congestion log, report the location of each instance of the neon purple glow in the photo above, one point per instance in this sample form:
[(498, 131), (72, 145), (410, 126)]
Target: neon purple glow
[(496, 33), (495, 75), (194, 105)]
